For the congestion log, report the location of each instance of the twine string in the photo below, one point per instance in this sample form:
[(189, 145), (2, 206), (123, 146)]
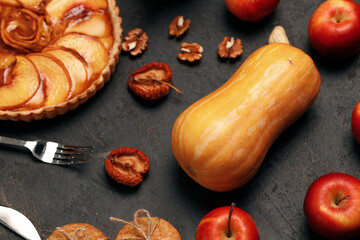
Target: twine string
[(150, 230), (76, 234)]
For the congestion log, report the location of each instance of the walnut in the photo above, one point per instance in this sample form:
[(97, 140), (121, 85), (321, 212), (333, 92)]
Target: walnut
[(135, 42), (190, 52), (179, 26), (230, 48)]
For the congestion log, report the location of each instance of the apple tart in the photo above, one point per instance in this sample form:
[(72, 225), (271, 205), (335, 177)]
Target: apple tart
[(55, 54)]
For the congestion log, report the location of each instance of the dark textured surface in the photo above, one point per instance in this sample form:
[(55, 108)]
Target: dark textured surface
[(318, 143)]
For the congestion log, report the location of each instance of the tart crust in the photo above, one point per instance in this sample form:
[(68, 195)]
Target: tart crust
[(95, 86)]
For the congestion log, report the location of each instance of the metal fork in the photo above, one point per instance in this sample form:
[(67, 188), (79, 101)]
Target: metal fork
[(52, 152)]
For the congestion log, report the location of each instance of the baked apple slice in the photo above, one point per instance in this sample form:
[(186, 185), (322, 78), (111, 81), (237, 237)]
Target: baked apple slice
[(88, 47), (107, 42), (56, 79), (10, 2), (75, 65), (57, 10), (6, 59), (35, 5), (24, 84), (96, 25)]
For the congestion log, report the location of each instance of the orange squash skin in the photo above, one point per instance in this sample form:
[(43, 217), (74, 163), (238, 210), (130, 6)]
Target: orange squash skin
[(221, 140)]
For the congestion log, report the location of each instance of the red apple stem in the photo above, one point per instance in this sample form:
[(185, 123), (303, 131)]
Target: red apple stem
[(230, 213), (341, 199)]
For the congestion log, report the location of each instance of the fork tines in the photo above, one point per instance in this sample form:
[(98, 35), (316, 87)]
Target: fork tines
[(69, 147), (73, 154)]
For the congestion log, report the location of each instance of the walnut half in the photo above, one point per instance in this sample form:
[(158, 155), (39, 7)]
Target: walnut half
[(179, 26), (230, 48), (190, 52), (135, 42)]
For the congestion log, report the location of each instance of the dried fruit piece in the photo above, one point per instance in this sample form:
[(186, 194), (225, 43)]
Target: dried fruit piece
[(179, 26), (147, 227), (152, 81), (190, 52), (127, 166), (135, 42), (230, 48)]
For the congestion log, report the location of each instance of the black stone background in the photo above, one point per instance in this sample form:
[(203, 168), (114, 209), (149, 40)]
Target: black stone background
[(320, 142)]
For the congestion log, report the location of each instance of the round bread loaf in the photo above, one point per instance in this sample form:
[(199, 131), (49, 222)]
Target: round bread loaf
[(163, 230), (79, 231)]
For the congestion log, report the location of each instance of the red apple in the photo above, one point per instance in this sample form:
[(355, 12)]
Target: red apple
[(334, 29), (355, 121), (332, 206), (251, 10), (227, 223)]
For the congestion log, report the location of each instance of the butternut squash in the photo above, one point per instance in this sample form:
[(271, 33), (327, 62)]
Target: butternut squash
[(221, 140)]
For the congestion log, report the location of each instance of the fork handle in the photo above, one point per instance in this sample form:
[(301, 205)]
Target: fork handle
[(12, 141)]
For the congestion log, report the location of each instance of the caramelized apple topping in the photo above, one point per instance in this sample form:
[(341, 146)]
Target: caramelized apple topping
[(52, 50), (33, 5), (230, 48), (135, 42), (23, 82), (127, 166), (179, 26), (190, 52), (24, 30), (7, 60), (152, 81), (58, 11)]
